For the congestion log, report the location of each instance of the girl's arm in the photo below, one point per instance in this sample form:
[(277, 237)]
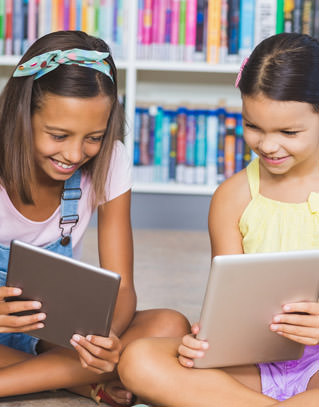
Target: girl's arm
[(227, 205), (115, 245)]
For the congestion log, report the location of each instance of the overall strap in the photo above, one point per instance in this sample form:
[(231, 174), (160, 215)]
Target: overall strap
[(69, 206), (253, 177)]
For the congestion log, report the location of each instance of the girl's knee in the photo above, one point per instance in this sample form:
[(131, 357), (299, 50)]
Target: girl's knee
[(169, 323)]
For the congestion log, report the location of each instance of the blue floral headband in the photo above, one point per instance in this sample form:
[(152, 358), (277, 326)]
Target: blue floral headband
[(44, 63)]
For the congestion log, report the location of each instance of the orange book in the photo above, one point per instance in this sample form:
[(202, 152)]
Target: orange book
[(230, 141), (72, 14), (55, 13), (85, 7), (60, 14), (213, 31)]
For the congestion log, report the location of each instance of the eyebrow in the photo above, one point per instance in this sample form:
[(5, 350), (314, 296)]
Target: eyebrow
[(287, 128), (52, 128)]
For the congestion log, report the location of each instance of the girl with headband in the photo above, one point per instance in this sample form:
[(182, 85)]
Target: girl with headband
[(62, 128), (271, 206)]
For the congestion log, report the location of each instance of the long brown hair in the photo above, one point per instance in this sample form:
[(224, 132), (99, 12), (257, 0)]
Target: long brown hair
[(23, 95)]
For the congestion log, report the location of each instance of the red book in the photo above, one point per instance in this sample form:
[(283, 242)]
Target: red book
[(8, 25)]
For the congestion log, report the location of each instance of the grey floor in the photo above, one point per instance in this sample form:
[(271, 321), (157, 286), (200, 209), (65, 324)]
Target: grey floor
[(171, 270)]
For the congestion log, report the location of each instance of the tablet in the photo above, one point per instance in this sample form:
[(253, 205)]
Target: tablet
[(244, 292), (76, 297)]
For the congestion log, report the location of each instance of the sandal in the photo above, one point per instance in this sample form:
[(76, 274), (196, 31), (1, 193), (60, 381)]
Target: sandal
[(99, 394)]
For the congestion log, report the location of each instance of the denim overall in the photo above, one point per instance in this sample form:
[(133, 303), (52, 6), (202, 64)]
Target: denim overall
[(69, 218)]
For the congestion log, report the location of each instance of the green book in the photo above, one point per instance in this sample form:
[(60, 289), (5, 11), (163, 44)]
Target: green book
[(280, 17), (2, 25)]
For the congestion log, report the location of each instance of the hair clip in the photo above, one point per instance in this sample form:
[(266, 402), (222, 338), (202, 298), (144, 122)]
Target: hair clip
[(240, 72)]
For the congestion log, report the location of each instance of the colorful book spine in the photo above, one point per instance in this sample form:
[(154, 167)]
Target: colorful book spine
[(168, 30), (199, 45), (55, 14), (223, 48), (60, 14), (85, 9), (213, 31), (147, 28), (78, 13), (221, 145), (25, 43), (181, 143), (144, 137), (182, 30), (72, 23), (297, 16), (190, 147), (280, 17), (18, 29), (247, 27), (161, 30), (233, 27), (307, 17), (137, 127), (289, 6), (211, 153), (240, 144), (158, 145), (66, 14), (8, 24), (265, 19), (247, 155), (2, 25), (200, 147), (230, 143), (172, 149), (155, 29), (140, 33), (166, 124), (190, 29), (152, 126), (90, 17), (175, 30)]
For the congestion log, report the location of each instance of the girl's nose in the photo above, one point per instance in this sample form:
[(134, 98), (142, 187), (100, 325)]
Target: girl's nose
[(73, 154), (268, 144)]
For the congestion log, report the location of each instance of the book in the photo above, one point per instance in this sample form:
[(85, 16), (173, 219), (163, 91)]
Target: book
[(240, 143), (307, 17), (18, 29), (189, 173), (280, 17), (288, 15), (233, 29), (166, 124), (200, 43), (230, 143), (213, 31), (137, 128), (221, 113), (172, 148), (297, 16), (181, 143), (190, 30), (78, 15), (174, 47), (265, 19), (8, 25), (316, 20), (167, 29), (200, 147), (182, 30), (211, 152), (66, 14), (73, 10), (246, 27), (158, 145), (223, 46), (2, 25), (147, 29)]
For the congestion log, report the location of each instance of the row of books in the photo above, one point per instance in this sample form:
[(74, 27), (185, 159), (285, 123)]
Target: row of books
[(217, 31), (23, 21), (188, 145)]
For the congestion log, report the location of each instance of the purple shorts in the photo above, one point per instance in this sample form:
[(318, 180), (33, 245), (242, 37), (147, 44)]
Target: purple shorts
[(282, 380)]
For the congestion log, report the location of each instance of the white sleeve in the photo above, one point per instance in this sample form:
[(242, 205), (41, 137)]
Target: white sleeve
[(119, 178)]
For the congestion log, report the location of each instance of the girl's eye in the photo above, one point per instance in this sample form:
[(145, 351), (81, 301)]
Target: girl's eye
[(58, 137), (95, 139), (289, 133), (251, 126)]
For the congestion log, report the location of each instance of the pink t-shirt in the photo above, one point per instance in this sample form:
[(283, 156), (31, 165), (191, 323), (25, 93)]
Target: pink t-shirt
[(16, 226)]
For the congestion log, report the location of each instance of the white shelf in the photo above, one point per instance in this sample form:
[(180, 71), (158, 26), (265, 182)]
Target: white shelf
[(173, 188), (148, 65)]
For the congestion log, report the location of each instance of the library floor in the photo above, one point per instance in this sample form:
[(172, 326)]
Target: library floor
[(171, 269)]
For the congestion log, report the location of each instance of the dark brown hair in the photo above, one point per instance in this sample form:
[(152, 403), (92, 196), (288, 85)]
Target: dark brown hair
[(23, 95), (284, 67)]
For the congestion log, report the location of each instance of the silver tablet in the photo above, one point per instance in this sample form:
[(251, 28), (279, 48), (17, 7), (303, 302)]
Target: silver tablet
[(76, 297), (243, 293)]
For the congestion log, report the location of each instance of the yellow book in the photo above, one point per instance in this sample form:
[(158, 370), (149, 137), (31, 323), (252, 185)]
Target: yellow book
[(85, 7), (213, 31), (54, 14)]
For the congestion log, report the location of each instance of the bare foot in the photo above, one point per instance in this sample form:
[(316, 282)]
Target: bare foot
[(118, 393)]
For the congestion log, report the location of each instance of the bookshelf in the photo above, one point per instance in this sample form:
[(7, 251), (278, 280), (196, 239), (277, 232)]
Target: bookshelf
[(165, 82)]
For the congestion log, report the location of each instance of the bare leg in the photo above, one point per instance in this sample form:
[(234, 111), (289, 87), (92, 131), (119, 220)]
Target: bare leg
[(151, 370), (56, 368)]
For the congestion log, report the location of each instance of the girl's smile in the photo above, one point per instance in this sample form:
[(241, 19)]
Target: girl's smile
[(67, 133)]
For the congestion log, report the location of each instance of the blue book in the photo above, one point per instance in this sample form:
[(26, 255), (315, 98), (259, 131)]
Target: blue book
[(166, 123), (233, 26), (158, 145), (78, 18), (137, 130), (212, 143), (239, 143), (152, 126), (246, 27), (17, 26), (221, 145), (200, 147), (190, 147)]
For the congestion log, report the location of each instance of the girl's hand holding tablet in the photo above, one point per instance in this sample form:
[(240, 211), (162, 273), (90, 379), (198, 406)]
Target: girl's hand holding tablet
[(191, 348), (14, 323), (299, 322), (98, 353)]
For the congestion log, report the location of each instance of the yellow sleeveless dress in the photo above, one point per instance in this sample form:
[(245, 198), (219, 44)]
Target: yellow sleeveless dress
[(267, 225)]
